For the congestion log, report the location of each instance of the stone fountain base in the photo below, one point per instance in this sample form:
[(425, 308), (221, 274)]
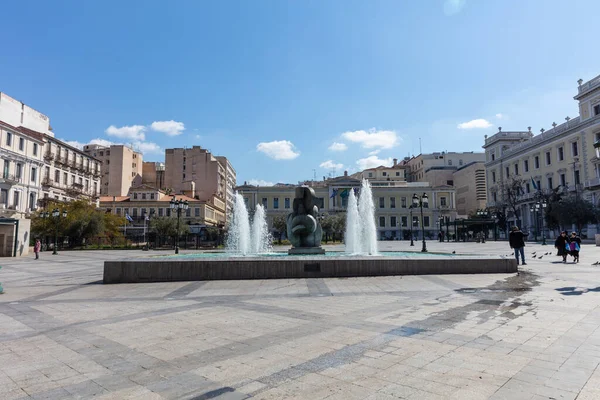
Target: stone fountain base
[(306, 251)]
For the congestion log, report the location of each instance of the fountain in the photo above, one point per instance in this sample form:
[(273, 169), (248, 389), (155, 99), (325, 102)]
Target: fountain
[(245, 238), (306, 258), (361, 231)]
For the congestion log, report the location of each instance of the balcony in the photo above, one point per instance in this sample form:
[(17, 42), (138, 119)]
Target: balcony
[(46, 182), (10, 179), (595, 182), (49, 156)]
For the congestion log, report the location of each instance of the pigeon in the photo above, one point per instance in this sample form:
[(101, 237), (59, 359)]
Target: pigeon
[(533, 253), (535, 256), (540, 257), (596, 263), (453, 251)]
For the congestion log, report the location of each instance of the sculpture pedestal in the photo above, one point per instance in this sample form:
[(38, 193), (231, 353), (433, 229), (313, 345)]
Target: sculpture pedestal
[(301, 251)]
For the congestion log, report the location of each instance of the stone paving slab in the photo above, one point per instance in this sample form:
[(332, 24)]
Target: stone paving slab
[(532, 335)]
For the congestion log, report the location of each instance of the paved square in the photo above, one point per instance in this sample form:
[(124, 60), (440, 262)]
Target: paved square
[(64, 335)]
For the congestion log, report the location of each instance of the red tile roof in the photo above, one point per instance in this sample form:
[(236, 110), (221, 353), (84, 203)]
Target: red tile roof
[(26, 131)]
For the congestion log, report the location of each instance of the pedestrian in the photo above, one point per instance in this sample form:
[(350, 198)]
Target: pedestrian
[(516, 239), (562, 244), (575, 246), (36, 248)]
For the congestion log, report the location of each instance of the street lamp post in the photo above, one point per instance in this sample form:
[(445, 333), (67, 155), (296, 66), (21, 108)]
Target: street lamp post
[(441, 228), (447, 229), (421, 202), (56, 215), (483, 214), (536, 208), (178, 205), (412, 243)]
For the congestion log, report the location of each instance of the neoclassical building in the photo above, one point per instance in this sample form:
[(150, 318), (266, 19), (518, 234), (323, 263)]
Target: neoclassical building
[(563, 157)]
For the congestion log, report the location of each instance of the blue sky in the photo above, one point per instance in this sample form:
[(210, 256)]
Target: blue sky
[(283, 88)]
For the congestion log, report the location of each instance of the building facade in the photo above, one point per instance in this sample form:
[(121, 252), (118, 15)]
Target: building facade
[(471, 190), (15, 113), (121, 168), (423, 164), (230, 184), (393, 209), (69, 173), (563, 157), (199, 174), (153, 174)]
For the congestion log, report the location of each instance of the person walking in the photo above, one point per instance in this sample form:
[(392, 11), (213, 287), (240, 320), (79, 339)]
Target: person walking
[(575, 246), (562, 243), (36, 248), (516, 239)]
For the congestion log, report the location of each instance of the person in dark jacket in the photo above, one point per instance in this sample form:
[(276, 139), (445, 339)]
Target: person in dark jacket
[(575, 247), (516, 239), (561, 244)]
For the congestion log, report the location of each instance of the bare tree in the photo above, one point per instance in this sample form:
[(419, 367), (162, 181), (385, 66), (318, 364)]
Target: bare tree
[(511, 191)]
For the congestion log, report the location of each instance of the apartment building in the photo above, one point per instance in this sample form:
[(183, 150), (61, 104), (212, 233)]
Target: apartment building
[(69, 173), (147, 201), (471, 190), (199, 174), (384, 176), (437, 168), (17, 114), (392, 203), (121, 168), (153, 174), (230, 184), (563, 157)]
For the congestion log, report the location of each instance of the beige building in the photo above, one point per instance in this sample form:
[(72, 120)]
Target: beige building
[(153, 174), (384, 176), (15, 113), (471, 191), (231, 183), (199, 174), (435, 167), (563, 157), (146, 201), (392, 202), (121, 168)]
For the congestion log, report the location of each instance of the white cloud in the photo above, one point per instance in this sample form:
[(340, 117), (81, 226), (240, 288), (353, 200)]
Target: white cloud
[(102, 142), (73, 143), (259, 182), (147, 147), (475, 124), (170, 128), (373, 138), (374, 152), (452, 7), (499, 116), (338, 147), (278, 149), (329, 164), (133, 132), (372, 162)]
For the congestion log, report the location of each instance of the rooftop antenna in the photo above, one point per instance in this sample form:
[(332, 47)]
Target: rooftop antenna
[(314, 175), (420, 148)]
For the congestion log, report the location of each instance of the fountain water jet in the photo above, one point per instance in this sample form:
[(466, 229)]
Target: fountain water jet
[(245, 238), (261, 238), (361, 231)]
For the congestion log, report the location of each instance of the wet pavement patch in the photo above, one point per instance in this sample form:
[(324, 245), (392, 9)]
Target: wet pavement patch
[(214, 393)]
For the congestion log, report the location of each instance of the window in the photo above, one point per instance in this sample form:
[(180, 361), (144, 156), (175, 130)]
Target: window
[(449, 162), (72, 179), (65, 178), (143, 196), (6, 169), (57, 176), (108, 152), (18, 171), (384, 173), (493, 156), (550, 185), (264, 202), (161, 212), (527, 188), (526, 165), (382, 202), (404, 221), (21, 144), (403, 202), (118, 210), (35, 149), (450, 183), (576, 176), (563, 180), (415, 220), (561, 153), (32, 201), (398, 173), (81, 181), (538, 184), (134, 212), (426, 205), (536, 162), (8, 139), (276, 202), (143, 211), (382, 222), (47, 173), (197, 212), (495, 196), (101, 154), (393, 203), (135, 196), (392, 222), (87, 185), (370, 174), (286, 202), (507, 172), (597, 109), (443, 201), (4, 196), (574, 149), (426, 220), (16, 198), (493, 176), (516, 169), (151, 196), (33, 174), (188, 212), (548, 158)]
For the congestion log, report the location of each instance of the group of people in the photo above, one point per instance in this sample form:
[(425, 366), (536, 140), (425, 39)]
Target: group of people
[(566, 245)]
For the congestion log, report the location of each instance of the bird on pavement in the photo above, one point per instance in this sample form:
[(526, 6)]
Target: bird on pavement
[(534, 256), (596, 263), (453, 251), (540, 257)]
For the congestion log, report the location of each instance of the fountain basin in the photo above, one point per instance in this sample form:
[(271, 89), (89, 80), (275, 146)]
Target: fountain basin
[(201, 267)]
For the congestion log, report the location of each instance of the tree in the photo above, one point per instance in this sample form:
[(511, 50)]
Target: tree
[(280, 225), (339, 224), (167, 226), (510, 193), (575, 210)]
